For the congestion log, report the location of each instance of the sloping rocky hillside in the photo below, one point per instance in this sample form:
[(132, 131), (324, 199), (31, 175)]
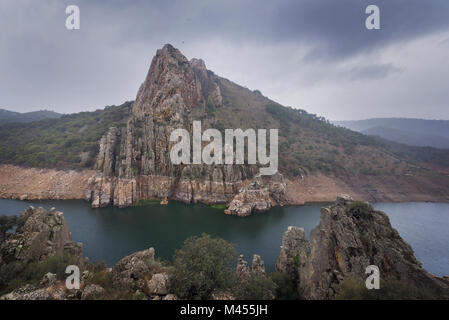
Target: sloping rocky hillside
[(129, 146)]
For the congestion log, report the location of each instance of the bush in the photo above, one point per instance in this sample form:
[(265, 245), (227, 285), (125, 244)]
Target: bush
[(7, 223), (201, 266), (360, 209), (351, 289), (255, 287), (15, 274), (285, 286)]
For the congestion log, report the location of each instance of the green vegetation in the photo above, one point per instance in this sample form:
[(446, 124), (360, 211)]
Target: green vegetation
[(7, 116), (203, 265), (218, 206), (360, 209), (33, 272), (147, 202), (70, 141), (254, 287), (285, 286), (308, 143), (7, 223), (351, 289)]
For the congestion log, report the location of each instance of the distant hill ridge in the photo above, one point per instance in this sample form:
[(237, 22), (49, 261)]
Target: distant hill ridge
[(7, 116), (413, 132)]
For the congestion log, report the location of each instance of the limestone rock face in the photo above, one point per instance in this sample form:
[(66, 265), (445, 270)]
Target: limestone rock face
[(158, 284), (134, 163), (242, 266), (350, 237), (41, 235), (132, 272), (91, 292), (295, 250), (257, 267), (28, 292), (258, 196)]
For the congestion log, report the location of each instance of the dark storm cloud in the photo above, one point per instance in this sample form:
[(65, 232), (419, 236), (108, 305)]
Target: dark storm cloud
[(335, 28), (311, 53)]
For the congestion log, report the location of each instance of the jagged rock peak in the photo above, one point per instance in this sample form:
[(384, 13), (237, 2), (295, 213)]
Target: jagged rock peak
[(199, 66), (171, 78)]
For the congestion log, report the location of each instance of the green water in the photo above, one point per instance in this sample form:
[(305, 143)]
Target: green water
[(110, 233)]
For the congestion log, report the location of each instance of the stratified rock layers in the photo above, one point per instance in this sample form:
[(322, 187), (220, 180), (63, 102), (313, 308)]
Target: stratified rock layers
[(134, 162)]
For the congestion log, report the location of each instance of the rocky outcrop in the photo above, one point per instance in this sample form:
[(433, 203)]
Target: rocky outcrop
[(30, 292), (350, 237), (41, 234), (91, 292), (258, 196), (134, 271), (134, 163), (257, 267), (158, 285), (294, 249)]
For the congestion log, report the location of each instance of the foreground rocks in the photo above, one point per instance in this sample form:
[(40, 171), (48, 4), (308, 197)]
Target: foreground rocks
[(134, 271), (350, 237), (41, 235)]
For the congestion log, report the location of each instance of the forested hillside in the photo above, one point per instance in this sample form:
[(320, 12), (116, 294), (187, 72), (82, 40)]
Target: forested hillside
[(70, 141)]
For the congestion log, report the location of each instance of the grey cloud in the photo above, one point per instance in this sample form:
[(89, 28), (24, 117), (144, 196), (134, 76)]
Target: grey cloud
[(377, 71), (300, 52)]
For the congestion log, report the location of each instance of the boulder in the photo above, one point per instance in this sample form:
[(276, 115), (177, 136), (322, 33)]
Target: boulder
[(49, 279), (158, 284), (91, 292), (132, 272)]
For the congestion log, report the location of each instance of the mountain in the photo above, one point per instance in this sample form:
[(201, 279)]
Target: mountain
[(129, 147), (7, 116), (413, 132), (70, 141)]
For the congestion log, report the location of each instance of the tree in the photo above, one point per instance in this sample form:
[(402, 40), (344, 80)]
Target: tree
[(203, 265), (285, 286), (255, 287), (6, 223)]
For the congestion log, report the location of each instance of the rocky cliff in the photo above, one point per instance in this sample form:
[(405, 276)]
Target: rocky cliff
[(350, 237), (134, 164), (40, 235)]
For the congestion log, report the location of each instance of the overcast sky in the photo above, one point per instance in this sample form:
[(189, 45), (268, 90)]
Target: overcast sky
[(313, 54)]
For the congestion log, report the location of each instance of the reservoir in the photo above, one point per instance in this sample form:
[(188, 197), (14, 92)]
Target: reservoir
[(111, 233)]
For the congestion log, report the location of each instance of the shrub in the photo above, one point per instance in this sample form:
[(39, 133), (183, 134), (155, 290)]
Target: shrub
[(285, 286), (201, 266), (360, 209), (255, 287), (351, 289)]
